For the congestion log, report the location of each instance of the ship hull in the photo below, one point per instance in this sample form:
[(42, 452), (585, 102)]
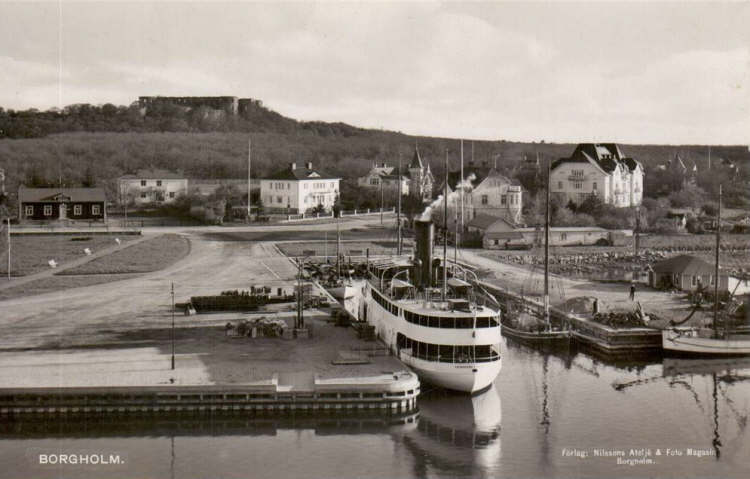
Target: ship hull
[(470, 378), (690, 343), (467, 375)]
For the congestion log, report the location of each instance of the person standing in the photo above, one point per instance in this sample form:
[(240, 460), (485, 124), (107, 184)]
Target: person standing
[(632, 291)]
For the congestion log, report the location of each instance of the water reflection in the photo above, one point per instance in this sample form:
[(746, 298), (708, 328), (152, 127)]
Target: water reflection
[(723, 373), (456, 434)]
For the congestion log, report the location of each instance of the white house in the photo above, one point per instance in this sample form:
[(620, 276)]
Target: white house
[(381, 175), (601, 170), (152, 186), (485, 192), (296, 190)]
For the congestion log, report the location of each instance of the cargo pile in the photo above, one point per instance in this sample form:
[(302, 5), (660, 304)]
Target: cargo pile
[(622, 319)]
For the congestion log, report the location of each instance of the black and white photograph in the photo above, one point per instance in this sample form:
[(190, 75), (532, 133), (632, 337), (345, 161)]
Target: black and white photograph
[(374, 239)]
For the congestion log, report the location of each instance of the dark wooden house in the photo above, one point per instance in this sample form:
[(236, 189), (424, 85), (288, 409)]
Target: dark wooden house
[(50, 204)]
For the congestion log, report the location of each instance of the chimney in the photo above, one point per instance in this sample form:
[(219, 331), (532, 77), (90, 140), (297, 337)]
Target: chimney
[(424, 235), (292, 166), (309, 165)]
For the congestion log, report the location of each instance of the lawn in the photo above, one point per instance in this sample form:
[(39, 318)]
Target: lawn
[(30, 254), (150, 255), (56, 283)]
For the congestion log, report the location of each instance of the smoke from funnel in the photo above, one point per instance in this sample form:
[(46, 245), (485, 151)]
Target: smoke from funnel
[(464, 185)]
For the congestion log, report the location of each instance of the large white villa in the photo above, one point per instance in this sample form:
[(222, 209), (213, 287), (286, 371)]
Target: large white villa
[(598, 169)]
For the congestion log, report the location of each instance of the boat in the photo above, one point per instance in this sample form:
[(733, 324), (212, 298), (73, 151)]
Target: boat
[(447, 337), (528, 323), (709, 341)]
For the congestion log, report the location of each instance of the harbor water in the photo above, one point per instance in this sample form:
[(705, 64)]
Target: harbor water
[(561, 415)]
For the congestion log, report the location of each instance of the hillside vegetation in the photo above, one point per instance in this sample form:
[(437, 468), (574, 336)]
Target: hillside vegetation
[(93, 145)]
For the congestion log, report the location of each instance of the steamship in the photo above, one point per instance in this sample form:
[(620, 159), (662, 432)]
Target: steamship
[(433, 318)]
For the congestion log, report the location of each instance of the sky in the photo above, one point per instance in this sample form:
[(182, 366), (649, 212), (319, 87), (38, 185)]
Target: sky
[(631, 72)]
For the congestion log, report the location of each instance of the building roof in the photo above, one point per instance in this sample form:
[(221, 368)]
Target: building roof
[(684, 264), (565, 229), (154, 174), (38, 195), (482, 222), (416, 161), (606, 156), (295, 173)]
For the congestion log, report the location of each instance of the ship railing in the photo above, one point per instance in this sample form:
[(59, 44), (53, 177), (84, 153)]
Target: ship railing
[(465, 359)]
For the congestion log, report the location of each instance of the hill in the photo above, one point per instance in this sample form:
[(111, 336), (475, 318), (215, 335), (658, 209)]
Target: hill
[(86, 144)]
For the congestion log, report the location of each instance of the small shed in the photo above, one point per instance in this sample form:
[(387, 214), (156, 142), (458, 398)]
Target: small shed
[(687, 272)]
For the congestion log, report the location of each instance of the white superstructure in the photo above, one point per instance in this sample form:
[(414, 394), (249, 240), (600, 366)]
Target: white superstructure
[(447, 338)]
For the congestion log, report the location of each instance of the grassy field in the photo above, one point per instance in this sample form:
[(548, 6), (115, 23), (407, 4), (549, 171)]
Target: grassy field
[(30, 254), (57, 283), (150, 255)]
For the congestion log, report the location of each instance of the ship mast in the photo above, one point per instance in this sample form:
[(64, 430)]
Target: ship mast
[(546, 248), (716, 266), (445, 228), (398, 212)]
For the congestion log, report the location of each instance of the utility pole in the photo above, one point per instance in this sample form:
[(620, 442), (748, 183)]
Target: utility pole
[(381, 201), (249, 183), (173, 326)]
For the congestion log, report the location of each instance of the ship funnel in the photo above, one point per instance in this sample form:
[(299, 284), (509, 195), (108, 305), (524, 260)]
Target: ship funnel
[(424, 236)]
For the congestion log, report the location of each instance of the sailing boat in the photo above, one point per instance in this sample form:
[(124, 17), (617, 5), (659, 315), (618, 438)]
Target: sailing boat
[(530, 325), (711, 341)]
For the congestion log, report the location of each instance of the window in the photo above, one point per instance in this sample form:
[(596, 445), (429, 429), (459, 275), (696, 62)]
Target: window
[(694, 280), (288, 186), (143, 195), (279, 199), (78, 210), (559, 185), (484, 200), (95, 210), (158, 182), (143, 182), (47, 210), (594, 187), (563, 236), (373, 181), (503, 199), (29, 210), (171, 194), (577, 185)]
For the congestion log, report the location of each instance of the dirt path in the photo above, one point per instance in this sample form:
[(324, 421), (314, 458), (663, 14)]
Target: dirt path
[(91, 314)]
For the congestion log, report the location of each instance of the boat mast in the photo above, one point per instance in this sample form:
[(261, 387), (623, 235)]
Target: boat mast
[(546, 248), (398, 212), (445, 229), (462, 190), (716, 266), (338, 246)]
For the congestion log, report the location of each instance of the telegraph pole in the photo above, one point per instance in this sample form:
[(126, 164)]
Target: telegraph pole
[(249, 188), (381, 201)]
